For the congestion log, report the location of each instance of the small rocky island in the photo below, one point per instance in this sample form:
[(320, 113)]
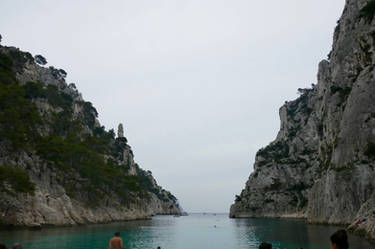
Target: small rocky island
[(58, 165), (321, 165)]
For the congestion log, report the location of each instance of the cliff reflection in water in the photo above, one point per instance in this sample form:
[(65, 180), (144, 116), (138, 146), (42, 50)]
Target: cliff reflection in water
[(196, 231), (288, 233)]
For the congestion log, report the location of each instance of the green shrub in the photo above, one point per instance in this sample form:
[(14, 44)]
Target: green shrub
[(89, 113), (370, 149), (17, 178), (368, 11), (83, 156), (34, 90), (275, 186), (40, 60), (340, 169), (63, 123), (51, 93), (254, 209), (320, 129), (300, 104), (6, 63), (343, 92), (294, 201), (19, 118), (303, 202), (58, 74), (334, 89), (299, 187), (276, 151), (172, 197), (19, 58), (57, 99), (292, 132), (262, 163)]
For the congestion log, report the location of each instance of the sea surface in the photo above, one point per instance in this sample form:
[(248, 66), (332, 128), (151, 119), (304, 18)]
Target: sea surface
[(196, 231)]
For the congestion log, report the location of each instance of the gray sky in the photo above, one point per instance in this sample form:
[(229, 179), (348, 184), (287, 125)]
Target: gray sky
[(196, 83)]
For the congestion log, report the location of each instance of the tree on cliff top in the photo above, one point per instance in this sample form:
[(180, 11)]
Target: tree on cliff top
[(40, 60)]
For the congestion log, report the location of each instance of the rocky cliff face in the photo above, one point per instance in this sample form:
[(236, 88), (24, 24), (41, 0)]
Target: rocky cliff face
[(321, 165), (58, 165)]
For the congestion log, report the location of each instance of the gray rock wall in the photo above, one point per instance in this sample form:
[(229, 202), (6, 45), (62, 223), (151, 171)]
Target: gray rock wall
[(63, 197), (321, 165)]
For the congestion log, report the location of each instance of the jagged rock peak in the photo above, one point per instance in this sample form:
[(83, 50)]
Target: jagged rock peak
[(120, 130)]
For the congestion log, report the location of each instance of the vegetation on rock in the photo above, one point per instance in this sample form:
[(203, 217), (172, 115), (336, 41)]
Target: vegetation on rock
[(68, 143), (370, 149), (276, 151), (18, 179), (19, 117), (40, 60), (368, 11)]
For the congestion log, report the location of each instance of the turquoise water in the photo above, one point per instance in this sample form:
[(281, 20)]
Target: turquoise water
[(196, 231)]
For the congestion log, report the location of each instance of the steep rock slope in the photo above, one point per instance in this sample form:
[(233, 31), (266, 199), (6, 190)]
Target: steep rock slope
[(58, 165), (321, 165)]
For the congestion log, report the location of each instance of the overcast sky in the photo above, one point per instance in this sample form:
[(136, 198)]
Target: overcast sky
[(196, 83)]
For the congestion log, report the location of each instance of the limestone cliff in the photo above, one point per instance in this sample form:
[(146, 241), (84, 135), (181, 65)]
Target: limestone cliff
[(321, 164), (58, 165)]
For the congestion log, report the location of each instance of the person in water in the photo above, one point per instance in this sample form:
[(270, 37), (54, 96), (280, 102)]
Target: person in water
[(265, 246), (339, 240), (3, 246), (116, 242), (17, 246)]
